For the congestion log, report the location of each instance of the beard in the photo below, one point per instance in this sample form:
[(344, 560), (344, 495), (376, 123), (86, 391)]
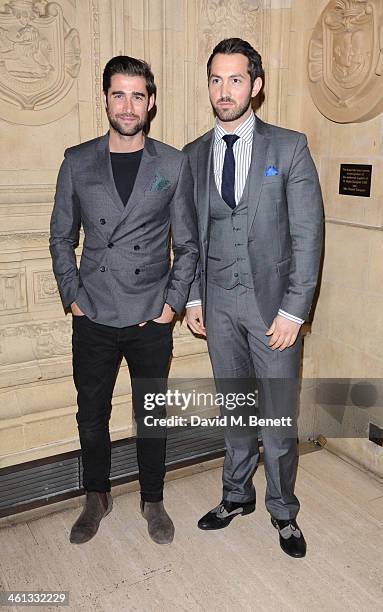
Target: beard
[(127, 130), (231, 114)]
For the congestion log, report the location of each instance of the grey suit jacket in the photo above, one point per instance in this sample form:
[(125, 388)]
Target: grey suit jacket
[(285, 219), (125, 273)]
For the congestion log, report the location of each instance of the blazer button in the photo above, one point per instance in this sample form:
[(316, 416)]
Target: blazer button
[(235, 274), (102, 221), (102, 269), (110, 245), (136, 247), (137, 271)]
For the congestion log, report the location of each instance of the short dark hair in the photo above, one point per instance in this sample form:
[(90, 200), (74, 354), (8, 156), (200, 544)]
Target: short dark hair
[(123, 64), (228, 46)]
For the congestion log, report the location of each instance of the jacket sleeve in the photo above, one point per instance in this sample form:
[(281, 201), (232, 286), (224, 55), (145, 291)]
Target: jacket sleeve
[(64, 234), (305, 210), (183, 220), (195, 293)]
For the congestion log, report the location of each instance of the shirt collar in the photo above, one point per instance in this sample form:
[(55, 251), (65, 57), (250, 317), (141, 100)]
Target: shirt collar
[(245, 130)]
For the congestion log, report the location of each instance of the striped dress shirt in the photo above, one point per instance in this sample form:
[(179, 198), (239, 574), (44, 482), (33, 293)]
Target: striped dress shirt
[(242, 150)]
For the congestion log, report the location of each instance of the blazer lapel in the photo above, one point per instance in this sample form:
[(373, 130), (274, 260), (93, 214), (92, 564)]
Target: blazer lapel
[(204, 162), (145, 175), (105, 172), (257, 167)]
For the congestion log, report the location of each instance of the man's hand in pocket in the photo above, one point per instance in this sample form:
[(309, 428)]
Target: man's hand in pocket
[(76, 312), (165, 317)]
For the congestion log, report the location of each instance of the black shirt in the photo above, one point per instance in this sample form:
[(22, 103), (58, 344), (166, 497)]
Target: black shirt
[(125, 167)]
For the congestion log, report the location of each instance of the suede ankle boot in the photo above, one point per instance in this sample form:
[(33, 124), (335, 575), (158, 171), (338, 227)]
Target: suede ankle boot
[(160, 525), (97, 506)]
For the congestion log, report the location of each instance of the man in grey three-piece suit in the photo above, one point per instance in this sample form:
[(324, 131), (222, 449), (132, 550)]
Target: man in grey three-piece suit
[(259, 209), (128, 192)]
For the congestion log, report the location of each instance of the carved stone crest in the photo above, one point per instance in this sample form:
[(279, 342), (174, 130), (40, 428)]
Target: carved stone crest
[(221, 19), (345, 63), (39, 59)]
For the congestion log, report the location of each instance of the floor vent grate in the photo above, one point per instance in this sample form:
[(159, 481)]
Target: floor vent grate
[(45, 481)]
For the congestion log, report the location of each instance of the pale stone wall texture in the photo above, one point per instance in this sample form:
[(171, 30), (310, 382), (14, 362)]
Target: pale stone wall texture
[(51, 61), (346, 340), (50, 98)]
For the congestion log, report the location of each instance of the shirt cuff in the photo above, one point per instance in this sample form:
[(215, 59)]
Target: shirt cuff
[(291, 317), (193, 303)]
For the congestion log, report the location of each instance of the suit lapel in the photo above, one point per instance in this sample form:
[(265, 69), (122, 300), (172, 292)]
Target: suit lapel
[(257, 168), (145, 175), (105, 172), (204, 161)]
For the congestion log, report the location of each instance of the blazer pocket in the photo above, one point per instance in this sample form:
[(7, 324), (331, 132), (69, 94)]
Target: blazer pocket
[(214, 258), (284, 267), (267, 180), (156, 271), (166, 193)]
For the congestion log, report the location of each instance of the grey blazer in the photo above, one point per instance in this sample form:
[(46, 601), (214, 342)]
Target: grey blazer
[(125, 273), (285, 219)]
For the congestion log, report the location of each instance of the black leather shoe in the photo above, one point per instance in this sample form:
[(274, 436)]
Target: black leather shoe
[(222, 515), (290, 537)]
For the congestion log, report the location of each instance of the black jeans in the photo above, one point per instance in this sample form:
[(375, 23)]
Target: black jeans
[(97, 352)]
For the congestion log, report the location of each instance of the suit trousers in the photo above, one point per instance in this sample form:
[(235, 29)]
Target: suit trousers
[(97, 353), (239, 350)]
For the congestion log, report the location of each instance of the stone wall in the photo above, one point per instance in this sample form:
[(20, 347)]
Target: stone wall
[(50, 98), (346, 340), (51, 61)]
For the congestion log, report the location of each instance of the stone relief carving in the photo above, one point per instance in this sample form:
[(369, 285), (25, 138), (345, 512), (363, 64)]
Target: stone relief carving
[(12, 291), (26, 342), (45, 288), (97, 70), (39, 59), (345, 62), (52, 339), (17, 240), (221, 19), (34, 239)]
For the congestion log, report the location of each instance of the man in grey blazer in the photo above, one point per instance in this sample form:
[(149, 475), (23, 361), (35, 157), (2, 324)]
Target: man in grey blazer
[(259, 209), (129, 193)]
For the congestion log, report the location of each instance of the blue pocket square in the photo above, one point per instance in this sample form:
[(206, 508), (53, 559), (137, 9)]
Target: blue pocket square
[(271, 171), (160, 183)]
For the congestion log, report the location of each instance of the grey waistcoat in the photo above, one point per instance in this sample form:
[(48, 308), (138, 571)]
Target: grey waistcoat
[(228, 257)]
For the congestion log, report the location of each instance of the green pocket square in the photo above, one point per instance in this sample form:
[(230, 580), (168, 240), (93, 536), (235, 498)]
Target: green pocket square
[(160, 183)]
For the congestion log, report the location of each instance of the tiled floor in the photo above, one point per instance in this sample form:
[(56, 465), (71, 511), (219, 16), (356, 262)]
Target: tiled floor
[(240, 568)]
